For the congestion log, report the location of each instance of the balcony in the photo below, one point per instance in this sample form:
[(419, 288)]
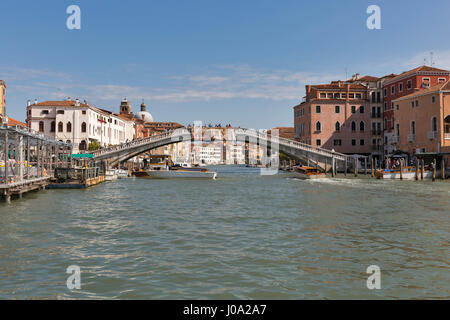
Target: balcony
[(395, 139), (411, 138), (447, 136), (432, 135), (377, 148), (376, 115)]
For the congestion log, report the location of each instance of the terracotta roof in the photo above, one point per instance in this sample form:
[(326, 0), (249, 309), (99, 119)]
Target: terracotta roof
[(419, 69), (365, 78), (13, 122), (433, 89), (335, 85), (65, 103)]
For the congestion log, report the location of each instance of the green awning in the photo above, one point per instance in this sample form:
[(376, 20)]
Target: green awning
[(83, 156)]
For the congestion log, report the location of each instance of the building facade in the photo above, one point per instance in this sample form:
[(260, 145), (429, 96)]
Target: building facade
[(78, 123), (422, 121), (402, 85), (335, 116)]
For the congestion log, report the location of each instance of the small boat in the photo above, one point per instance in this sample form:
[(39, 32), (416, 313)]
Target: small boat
[(408, 173), (121, 174), (307, 173), (176, 173), (110, 175)]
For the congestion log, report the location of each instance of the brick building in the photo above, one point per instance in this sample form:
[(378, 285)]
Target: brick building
[(335, 116), (422, 120), (402, 85)]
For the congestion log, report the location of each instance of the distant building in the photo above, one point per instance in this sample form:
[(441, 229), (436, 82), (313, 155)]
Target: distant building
[(335, 116), (402, 85), (77, 123), (422, 120)]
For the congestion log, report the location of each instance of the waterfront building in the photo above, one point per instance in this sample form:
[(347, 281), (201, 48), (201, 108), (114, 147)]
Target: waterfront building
[(402, 85), (335, 116), (77, 123), (422, 120), (210, 155)]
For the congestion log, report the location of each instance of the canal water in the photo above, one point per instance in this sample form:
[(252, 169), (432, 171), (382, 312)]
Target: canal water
[(243, 236)]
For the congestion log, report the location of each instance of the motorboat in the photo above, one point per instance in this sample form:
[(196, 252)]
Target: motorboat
[(307, 173)]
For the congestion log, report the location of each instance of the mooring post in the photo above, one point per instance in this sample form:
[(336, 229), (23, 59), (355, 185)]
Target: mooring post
[(434, 169), (443, 168), (371, 167), (6, 155), (365, 165), (422, 169), (356, 166), (20, 147), (333, 167), (401, 169), (325, 166), (417, 170), (345, 167), (28, 157)]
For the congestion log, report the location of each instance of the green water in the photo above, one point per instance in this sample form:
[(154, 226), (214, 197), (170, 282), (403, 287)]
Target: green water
[(243, 236)]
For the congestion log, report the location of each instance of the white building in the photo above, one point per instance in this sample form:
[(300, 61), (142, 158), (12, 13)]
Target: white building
[(210, 155), (78, 123)]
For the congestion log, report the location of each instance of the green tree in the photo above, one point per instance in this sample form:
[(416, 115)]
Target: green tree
[(94, 145)]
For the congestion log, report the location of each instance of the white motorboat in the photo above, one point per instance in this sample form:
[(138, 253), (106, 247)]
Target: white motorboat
[(121, 174), (110, 175)]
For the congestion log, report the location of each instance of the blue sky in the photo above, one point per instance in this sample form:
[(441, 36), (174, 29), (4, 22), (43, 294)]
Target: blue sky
[(243, 62)]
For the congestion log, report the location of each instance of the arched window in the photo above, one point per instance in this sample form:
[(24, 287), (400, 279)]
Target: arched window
[(53, 126), (83, 127), (60, 127), (83, 145), (318, 126), (338, 126), (69, 127), (353, 126), (434, 124), (41, 126), (361, 126)]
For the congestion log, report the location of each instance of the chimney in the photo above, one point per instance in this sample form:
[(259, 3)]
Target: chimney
[(354, 77), (28, 103), (340, 83), (357, 76), (308, 91), (77, 102), (35, 101)]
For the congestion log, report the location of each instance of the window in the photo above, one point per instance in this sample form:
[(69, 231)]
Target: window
[(337, 95), (378, 97), (337, 142), (392, 106), (318, 126), (317, 109), (385, 106), (358, 96), (69, 127), (44, 112), (83, 127), (361, 142), (351, 95), (397, 130), (60, 127), (434, 124), (83, 112), (409, 84), (82, 145), (400, 87), (441, 80), (433, 99), (385, 123), (425, 82), (353, 109), (60, 112), (373, 97), (52, 126), (337, 109), (41, 126), (417, 103), (412, 104), (361, 109), (337, 126), (413, 127), (392, 90), (385, 92), (361, 126), (353, 126), (353, 142), (398, 107), (318, 142)]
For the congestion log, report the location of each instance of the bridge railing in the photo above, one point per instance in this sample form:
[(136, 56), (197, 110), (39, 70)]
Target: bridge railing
[(134, 143)]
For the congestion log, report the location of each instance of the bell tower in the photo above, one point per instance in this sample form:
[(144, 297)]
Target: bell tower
[(125, 107)]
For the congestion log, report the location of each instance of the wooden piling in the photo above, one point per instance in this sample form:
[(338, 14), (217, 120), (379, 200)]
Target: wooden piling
[(401, 169), (417, 170), (356, 167), (443, 168), (365, 166), (6, 157), (333, 167), (371, 167), (422, 169), (345, 167), (325, 166), (434, 169)]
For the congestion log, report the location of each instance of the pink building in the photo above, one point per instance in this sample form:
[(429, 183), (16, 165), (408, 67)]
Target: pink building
[(335, 116)]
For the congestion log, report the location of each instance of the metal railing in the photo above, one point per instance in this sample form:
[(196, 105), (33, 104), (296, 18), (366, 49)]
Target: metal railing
[(432, 135), (411, 138)]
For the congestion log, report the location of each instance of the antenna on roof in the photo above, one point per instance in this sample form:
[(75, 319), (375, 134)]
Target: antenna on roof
[(424, 61), (346, 74), (431, 59)]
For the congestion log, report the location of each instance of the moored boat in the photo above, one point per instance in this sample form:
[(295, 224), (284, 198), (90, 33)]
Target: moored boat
[(407, 173), (307, 173)]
